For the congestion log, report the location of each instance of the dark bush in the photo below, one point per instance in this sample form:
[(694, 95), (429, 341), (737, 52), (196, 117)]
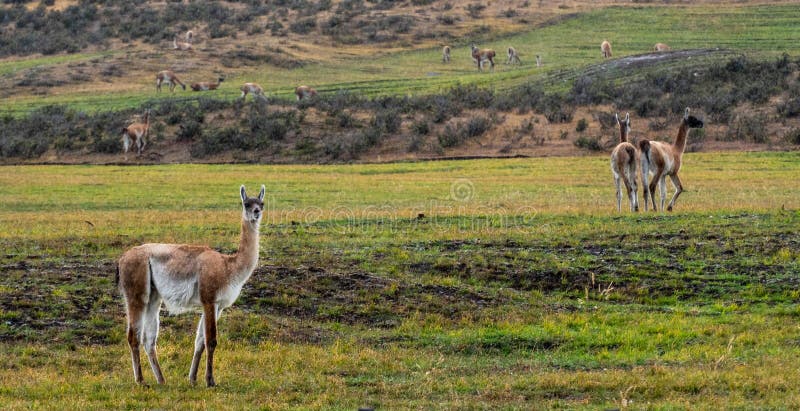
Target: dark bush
[(458, 133), (421, 127), (387, 120), (304, 25), (582, 125), (345, 120), (790, 107), (747, 127), (793, 136), (589, 143), (471, 96), (107, 144), (447, 19), (451, 136), (475, 10), (220, 140), (190, 130)]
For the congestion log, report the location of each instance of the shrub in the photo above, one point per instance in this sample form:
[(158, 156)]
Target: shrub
[(456, 134), (416, 143), (589, 143), (107, 144), (478, 125), (790, 107), (304, 25), (582, 125), (447, 19), (793, 136), (748, 128), (475, 10), (190, 130), (421, 127), (387, 120), (450, 136), (219, 140), (345, 120)]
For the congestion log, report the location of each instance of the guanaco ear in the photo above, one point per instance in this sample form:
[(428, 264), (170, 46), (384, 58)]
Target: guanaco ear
[(243, 193), (686, 115), (616, 117), (628, 119), (261, 194)]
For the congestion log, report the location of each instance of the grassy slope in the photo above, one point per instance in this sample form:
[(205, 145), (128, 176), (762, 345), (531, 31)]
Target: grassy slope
[(481, 304), (567, 48)]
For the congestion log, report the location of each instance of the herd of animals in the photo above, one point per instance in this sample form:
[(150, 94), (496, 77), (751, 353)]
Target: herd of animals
[(658, 159), (188, 277), (135, 135)]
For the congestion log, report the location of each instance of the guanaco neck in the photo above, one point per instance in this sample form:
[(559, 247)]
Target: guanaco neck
[(623, 132), (680, 141), (247, 256)]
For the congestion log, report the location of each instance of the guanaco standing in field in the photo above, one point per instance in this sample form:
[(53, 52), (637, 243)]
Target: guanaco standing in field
[(446, 54), (186, 277), (254, 89), (605, 47), (304, 92), (513, 56), (480, 56), (623, 164), (135, 135), (169, 78), (663, 159)]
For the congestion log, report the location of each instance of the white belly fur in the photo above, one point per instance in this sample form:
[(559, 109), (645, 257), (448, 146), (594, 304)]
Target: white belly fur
[(178, 295)]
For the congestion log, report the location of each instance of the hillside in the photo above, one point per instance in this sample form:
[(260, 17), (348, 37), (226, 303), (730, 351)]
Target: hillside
[(106, 82)]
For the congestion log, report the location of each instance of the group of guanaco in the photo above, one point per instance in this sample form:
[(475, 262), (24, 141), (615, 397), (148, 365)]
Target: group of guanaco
[(605, 48), (481, 56), (135, 135), (659, 160)]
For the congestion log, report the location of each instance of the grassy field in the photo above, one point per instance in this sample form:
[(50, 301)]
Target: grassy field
[(568, 48), (520, 288)]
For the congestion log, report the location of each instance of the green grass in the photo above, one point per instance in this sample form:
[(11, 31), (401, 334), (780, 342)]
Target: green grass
[(9, 66), (568, 49), (521, 288)]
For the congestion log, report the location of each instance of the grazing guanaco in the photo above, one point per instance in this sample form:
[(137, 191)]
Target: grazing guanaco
[(661, 47), (136, 134), (663, 159), (605, 47), (254, 89), (623, 164), (169, 78), (305, 92), (446, 54), (204, 86), (186, 278), (513, 56), (480, 56)]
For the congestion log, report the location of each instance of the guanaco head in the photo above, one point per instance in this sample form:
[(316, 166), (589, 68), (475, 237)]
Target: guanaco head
[(624, 125), (692, 121), (252, 206)]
